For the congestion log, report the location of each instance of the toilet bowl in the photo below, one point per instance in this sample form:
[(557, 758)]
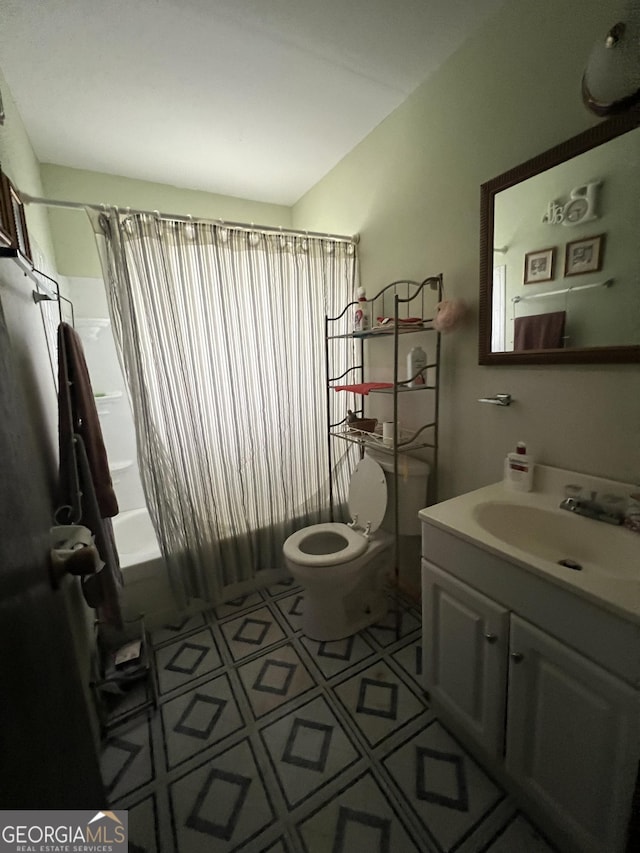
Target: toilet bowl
[(343, 567)]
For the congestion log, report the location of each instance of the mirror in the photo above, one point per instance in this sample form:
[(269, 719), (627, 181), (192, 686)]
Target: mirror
[(560, 253)]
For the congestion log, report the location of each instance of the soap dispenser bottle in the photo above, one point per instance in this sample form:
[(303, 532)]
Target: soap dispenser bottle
[(518, 469)]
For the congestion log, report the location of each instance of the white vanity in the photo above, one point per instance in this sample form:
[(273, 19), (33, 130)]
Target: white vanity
[(535, 666)]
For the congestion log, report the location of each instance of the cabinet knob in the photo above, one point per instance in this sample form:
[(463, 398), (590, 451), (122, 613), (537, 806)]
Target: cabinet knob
[(517, 657), (491, 638)]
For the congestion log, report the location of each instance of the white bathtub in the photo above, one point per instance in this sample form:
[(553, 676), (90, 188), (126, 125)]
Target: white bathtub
[(146, 582), (135, 538)]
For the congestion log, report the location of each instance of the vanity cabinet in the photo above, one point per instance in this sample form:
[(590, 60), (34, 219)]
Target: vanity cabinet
[(572, 735), (560, 731), (464, 660)]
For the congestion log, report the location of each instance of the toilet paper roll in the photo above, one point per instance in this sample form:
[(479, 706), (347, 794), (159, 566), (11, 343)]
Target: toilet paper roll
[(387, 433)]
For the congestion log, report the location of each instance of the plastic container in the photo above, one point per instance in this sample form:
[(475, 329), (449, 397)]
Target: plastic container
[(518, 469), (416, 361), (361, 316)]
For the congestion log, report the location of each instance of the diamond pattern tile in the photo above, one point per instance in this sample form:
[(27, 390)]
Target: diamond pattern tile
[(359, 818), (410, 659), (374, 698), (222, 804), (338, 656), (248, 634), (265, 741), (274, 678), (308, 748), (199, 718), (237, 605), (127, 759), (292, 608), (446, 789), (384, 632), (286, 585), (186, 659), (177, 628)]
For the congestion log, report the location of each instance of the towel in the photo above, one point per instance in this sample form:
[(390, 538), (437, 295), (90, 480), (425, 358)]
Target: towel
[(85, 479), (539, 331), (363, 387), (77, 413), (102, 589)]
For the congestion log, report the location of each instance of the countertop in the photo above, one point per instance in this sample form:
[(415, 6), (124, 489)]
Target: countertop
[(620, 595)]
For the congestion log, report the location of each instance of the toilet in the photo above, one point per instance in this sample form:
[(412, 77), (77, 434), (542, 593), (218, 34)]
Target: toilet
[(343, 567)]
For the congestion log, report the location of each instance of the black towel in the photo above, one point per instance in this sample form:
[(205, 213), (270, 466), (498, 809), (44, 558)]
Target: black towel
[(539, 331)]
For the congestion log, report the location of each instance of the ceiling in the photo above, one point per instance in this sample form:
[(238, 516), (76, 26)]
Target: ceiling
[(251, 98)]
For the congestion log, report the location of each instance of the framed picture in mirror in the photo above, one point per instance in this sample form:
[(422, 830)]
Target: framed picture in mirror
[(584, 256), (538, 266)]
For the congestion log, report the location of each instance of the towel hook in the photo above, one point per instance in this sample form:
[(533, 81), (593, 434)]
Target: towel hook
[(497, 400)]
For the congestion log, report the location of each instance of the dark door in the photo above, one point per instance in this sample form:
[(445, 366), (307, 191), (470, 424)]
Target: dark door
[(47, 754)]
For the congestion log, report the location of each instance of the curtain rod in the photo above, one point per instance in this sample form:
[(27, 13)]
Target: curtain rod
[(268, 229)]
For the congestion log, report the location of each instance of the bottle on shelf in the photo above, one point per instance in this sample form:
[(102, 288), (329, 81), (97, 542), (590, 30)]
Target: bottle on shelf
[(416, 362), (361, 317)]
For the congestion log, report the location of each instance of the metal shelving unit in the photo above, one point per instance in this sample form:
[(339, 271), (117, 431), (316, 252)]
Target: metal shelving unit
[(402, 297)]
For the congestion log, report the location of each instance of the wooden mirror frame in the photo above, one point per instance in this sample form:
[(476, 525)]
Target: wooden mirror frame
[(609, 129), (14, 236)]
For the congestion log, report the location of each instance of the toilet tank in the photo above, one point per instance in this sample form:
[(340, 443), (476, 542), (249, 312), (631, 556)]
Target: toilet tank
[(413, 479)]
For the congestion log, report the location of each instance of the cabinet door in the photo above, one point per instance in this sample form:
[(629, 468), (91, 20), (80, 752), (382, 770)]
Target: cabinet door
[(465, 636), (572, 737)]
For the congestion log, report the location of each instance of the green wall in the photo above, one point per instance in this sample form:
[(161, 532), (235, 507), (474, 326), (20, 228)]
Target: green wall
[(411, 190), (73, 237), (19, 162)]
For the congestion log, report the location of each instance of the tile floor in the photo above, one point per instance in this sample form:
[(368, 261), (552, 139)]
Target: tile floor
[(265, 740)]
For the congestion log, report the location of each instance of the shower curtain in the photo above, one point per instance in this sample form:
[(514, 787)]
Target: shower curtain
[(220, 333)]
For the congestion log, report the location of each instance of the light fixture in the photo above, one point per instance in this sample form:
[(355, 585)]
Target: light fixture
[(611, 80)]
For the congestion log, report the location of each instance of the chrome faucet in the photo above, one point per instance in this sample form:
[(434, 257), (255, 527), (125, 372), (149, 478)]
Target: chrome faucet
[(602, 509)]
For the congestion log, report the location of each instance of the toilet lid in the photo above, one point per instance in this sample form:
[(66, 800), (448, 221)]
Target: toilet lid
[(368, 494)]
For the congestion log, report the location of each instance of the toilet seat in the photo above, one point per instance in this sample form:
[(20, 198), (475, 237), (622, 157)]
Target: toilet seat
[(333, 543), (368, 494), (355, 544)]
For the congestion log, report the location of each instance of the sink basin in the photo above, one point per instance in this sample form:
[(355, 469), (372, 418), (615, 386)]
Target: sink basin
[(557, 535)]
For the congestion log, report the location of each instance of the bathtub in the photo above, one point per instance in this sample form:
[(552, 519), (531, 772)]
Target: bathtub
[(135, 538), (146, 583)]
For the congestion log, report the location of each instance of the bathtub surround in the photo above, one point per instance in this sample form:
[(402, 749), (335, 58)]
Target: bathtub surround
[(112, 398), (268, 741), (219, 330)]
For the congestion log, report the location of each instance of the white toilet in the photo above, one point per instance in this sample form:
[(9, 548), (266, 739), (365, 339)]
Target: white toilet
[(343, 567)]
